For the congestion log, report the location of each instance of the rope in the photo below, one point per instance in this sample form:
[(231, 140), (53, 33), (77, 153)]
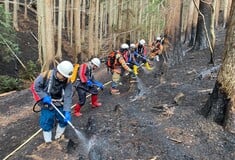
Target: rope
[(36, 133)]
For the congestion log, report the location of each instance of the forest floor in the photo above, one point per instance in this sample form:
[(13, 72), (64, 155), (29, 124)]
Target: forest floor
[(154, 119)]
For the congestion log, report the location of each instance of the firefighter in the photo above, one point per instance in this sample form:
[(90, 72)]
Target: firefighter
[(142, 54), (86, 83), (132, 59), (120, 67), (156, 54), (54, 87)]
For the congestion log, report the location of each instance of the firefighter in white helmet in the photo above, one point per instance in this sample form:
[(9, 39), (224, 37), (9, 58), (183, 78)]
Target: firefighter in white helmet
[(86, 83), (54, 87), (142, 54), (120, 66)]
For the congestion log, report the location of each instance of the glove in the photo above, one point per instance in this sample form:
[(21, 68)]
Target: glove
[(99, 84), (67, 116), (46, 100), (89, 83)]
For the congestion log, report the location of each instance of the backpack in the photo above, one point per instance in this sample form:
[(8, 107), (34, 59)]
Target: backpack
[(46, 75), (111, 60), (74, 74)]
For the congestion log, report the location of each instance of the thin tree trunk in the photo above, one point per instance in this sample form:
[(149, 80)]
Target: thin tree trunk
[(15, 18), (217, 12), (25, 10), (194, 24), (77, 31), (7, 10), (83, 20), (49, 55), (97, 15), (189, 22), (91, 29), (59, 32)]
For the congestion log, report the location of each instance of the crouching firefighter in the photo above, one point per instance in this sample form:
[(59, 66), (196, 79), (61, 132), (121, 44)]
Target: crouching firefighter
[(54, 87), (86, 82)]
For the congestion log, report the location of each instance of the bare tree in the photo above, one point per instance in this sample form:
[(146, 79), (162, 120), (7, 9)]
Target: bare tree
[(227, 6), (59, 31), (91, 28), (220, 106), (46, 34), (77, 31), (173, 29), (15, 18)]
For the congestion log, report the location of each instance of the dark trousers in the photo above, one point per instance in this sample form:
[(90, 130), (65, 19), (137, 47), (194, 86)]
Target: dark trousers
[(82, 91)]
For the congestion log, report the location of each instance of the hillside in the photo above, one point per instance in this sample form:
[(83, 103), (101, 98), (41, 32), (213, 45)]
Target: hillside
[(152, 119)]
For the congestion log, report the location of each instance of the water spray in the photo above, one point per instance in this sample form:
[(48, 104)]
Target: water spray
[(79, 134)]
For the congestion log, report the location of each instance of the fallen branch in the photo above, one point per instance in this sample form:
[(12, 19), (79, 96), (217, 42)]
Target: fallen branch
[(208, 72), (22, 64), (175, 140)]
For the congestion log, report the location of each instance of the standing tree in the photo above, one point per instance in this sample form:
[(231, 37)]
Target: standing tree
[(77, 31), (46, 34), (173, 28), (220, 106), (91, 28)]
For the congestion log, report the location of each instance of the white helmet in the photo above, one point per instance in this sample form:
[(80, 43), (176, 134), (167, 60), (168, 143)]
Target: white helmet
[(142, 41), (96, 62), (158, 38), (124, 46), (132, 45), (65, 68)]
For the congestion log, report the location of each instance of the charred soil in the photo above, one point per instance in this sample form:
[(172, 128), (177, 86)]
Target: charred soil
[(156, 118)]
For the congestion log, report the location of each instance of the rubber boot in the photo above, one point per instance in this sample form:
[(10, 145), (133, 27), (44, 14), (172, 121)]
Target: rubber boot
[(59, 131), (135, 69), (94, 101), (47, 136), (148, 66), (77, 109)]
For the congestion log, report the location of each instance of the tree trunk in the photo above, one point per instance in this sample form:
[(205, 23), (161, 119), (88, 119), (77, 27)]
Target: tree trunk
[(49, 54), (173, 29), (25, 10), (189, 22), (7, 10), (83, 23), (220, 106), (97, 15), (15, 18), (59, 32), (194, 25), (204, 21), (77, 31), (217, 12), (227, 6), (91, 29)]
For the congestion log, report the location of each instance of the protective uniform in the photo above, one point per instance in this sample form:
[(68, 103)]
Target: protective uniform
[(132, 59), (156, 54), (86, 83), (119, 67), (59, 92), (142, 54)]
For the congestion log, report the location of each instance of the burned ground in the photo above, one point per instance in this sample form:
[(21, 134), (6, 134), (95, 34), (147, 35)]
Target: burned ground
[(152, 119)]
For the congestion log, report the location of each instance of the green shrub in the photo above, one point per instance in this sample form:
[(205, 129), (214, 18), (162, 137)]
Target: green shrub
[(8, 41), (32, 71), (8, 83)]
